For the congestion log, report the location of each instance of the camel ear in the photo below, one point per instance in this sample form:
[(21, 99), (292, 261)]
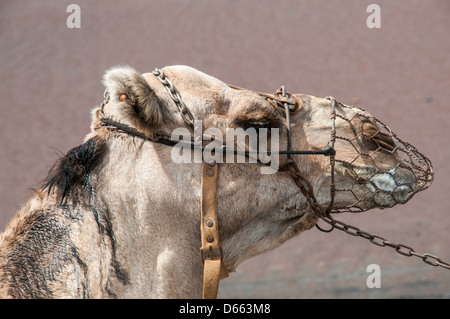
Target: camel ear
[(128, 87)]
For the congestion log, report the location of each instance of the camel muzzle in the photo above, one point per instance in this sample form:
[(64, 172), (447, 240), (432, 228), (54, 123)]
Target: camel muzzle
[(386, 170)]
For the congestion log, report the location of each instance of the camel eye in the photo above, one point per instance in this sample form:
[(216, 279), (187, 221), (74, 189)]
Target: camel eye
[(256, 120), (256, 124)]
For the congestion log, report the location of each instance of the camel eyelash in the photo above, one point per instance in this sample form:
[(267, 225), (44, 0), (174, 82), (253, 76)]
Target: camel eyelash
[(247, 121), (257, 124)]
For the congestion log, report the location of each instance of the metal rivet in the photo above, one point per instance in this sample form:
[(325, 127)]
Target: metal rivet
[(210, 239), (209, 223), (210, 172), (211, 162)]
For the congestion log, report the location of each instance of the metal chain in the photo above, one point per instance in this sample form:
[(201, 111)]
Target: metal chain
[(307, 190), (176, 97), (402, 249), (382, 242)]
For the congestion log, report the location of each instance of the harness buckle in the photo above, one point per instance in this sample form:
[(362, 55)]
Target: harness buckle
[(209, 253)]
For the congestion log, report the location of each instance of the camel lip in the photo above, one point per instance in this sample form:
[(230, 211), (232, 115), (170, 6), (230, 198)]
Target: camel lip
[(295, 219), (373, 187), (299, 217), (379, 179)]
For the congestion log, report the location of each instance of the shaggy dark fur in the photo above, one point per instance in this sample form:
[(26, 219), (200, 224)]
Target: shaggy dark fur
[(74, 168), (43, 246), (40, 251)]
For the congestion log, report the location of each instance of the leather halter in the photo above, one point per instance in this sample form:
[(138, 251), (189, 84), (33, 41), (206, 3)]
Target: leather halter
[(210, 251), (214, 269)]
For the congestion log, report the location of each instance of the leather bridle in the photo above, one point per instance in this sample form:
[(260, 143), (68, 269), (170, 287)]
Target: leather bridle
[(211, 253)]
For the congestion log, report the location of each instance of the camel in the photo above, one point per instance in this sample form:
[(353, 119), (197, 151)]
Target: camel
[(118, 217)]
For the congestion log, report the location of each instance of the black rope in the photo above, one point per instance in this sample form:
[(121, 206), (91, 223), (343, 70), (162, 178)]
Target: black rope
[(162, 139)]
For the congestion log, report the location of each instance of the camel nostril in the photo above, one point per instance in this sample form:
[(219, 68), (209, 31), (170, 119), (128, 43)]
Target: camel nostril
[(381, 139), (384, 141)]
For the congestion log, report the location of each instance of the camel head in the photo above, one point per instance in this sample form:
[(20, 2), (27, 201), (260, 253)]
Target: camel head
[(122, 214), (258, 210)]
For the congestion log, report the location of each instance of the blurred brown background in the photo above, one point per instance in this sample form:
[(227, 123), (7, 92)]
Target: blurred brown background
[(50, 79)]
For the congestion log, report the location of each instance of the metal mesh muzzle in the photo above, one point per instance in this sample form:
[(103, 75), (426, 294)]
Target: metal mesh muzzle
[(384, 169)]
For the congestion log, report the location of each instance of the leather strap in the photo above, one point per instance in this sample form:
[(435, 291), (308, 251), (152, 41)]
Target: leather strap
[(214, 268), (294, 104)]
